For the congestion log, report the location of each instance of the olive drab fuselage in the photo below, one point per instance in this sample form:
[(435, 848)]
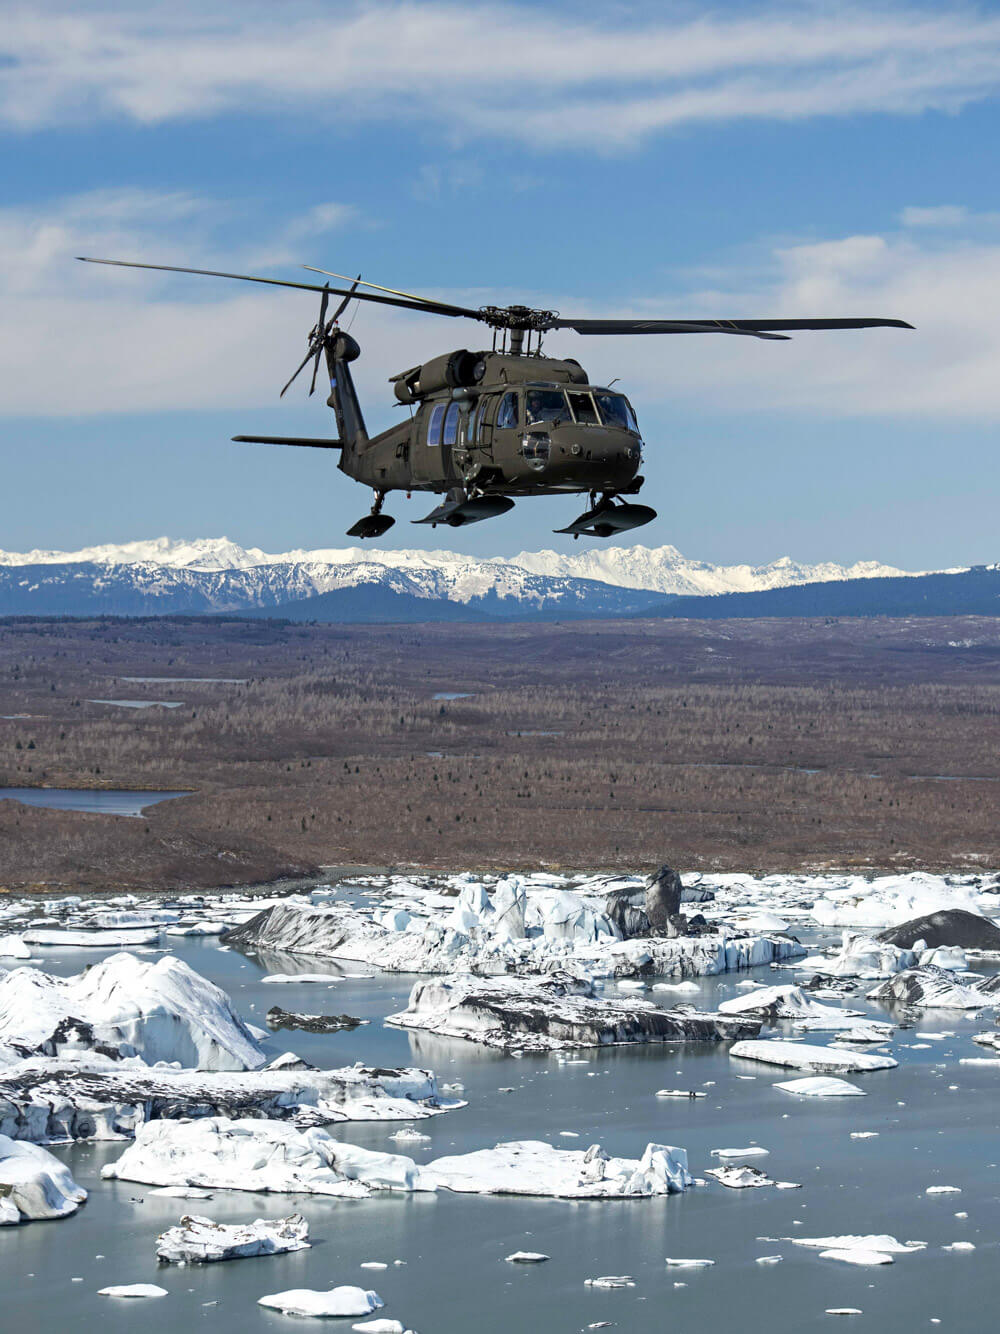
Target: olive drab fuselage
[(517, 426)]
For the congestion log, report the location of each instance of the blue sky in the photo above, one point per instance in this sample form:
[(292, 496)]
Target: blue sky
[(661, 159)]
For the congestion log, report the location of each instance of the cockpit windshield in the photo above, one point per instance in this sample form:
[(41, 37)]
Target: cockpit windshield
[(616, 410), (546, 405)]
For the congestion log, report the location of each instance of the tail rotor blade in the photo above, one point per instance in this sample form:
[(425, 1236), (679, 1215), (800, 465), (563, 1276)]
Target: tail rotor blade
[(344, 304), (301, 366)]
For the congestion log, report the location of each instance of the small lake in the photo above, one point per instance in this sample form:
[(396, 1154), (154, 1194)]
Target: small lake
[(139, 703), (91, 800), (454, 694)]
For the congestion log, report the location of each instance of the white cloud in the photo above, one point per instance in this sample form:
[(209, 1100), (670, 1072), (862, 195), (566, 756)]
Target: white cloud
[(512, 70), (77, 339), (940, 215)]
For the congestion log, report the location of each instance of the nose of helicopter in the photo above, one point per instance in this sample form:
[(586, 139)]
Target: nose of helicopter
[(594, 456)]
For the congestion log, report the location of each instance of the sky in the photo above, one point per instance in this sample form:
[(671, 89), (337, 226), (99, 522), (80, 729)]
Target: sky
[(660, 159)]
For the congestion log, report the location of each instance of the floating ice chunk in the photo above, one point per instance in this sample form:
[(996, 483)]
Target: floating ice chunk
[(929, 989), (161, 1011), (182, 1192), (844, 1310), (409, 1136), (259, 1155), (752, 1151), (277, 978), (198, 1240), (959, 1246), (880, 1242), (688, 1264), (526, 1258), (858, 1255), (133, 1290), (950, 957), (532, 1167), (821, 1086), (739, 1178), (769, 1259), (943, 1190), (802, 1056), (611, 1281), (864, 1134), (337, 1302), (101, 940), (689, 988), (680, 1093), (13, 947), (784, 1002), (558, 1012), (379, 1326), (34, 1184)]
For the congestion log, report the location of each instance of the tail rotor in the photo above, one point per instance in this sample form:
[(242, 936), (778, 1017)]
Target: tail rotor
[(319, 334)]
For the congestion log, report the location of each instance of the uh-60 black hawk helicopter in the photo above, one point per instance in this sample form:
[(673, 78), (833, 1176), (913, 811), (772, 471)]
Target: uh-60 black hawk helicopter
[(487, 426)]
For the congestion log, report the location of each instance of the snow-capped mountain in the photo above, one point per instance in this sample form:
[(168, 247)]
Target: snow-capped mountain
[(165, 576)]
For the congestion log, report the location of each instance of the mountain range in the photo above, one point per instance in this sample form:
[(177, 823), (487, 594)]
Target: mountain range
[(214, 576)]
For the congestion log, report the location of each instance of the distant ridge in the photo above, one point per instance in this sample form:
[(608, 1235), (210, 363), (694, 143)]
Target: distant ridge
[(206, 576)]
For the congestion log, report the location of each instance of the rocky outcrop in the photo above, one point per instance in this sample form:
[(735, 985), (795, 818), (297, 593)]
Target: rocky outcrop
[(277, 1018), (553, 1014), (954, 926)]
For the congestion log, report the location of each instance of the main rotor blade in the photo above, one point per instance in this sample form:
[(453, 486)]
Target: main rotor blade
[(377, 286), (434, 307), (755, 328)]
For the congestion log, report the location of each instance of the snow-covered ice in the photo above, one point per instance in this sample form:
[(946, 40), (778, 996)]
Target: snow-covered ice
[(532, 1167), (199, 1240), (804, 1056), (34, 1184), (342, 1301), (821, 1086)]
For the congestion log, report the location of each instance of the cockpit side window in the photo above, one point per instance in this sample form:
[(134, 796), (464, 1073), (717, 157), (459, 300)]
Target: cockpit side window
[(616, 410), (507, 413), (450, 433), (434, 425), (583, 408), (546, 405)]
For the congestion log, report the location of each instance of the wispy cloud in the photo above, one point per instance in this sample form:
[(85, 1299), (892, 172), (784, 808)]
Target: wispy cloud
[(510, 70), (150, 342)]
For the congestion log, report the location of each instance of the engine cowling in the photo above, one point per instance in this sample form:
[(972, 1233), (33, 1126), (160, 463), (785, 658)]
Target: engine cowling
[(452, 370)]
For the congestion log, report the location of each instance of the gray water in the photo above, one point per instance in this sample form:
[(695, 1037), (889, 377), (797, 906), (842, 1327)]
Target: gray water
[(181, 680), (455, 1279), (92, 800), (139, 703)]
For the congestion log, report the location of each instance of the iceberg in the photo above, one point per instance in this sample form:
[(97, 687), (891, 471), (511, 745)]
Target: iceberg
[(125, 1006), (929, 989), (337, 1302), (803, 1056), (34, 1184), (197, 1240), (553, 1014), (532, 1167)]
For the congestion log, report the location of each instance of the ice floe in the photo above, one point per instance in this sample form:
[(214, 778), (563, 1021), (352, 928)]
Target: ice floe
[(133, 1290), (532, 1167), (198, 1240), (34, 1184), (552, 1014), (804, 1056), (929, 989), (342, 1301), (162, 1011), (257, 1155), (821, 1086)]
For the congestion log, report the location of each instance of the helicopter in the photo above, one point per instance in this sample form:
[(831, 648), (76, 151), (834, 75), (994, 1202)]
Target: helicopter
[(486, 426)]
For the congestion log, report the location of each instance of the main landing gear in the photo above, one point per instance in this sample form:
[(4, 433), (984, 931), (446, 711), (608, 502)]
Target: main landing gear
[(460, 509), (374, 524), (610, 515)]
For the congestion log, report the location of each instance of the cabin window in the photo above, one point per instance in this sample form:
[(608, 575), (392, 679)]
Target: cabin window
[(583, 408), (434, 425), (507, 413), (546, 405), (450, 434), (616, 411)]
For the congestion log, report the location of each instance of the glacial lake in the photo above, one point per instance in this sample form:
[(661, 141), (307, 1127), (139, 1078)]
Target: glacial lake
[(92, 800), (936, 1122)]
